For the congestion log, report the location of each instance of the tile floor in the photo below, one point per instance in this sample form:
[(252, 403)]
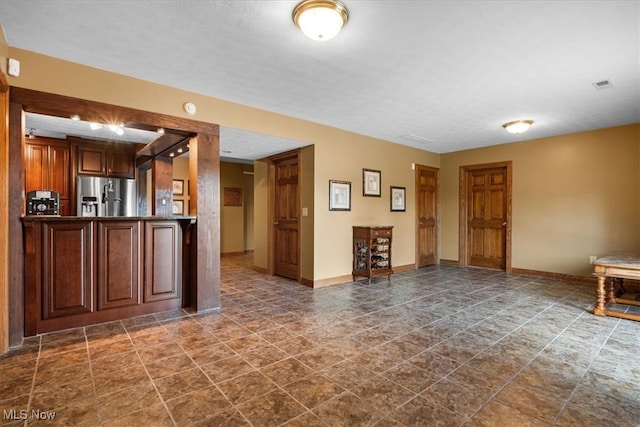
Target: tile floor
[(439, 346)]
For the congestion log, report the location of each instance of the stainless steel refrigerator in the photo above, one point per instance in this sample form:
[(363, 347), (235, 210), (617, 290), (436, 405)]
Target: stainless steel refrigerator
[(99, 196)]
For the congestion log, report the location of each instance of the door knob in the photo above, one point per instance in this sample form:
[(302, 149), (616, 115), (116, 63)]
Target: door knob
[(504, 224)]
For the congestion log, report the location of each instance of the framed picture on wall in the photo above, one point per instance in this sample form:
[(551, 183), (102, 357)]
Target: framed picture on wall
[(339, 195), (178, 207), (178, 187), (371, 182), (232, 196), (398, 203)]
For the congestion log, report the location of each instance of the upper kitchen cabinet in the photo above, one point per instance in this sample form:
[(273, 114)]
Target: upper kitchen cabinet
[(113, 160), (47, 167)]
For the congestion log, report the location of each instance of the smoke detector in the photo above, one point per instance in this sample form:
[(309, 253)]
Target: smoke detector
[(602, 84)]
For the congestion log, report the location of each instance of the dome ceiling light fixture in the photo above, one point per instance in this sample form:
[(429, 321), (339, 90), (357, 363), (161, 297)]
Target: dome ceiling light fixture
[(517, 126), (320, 20)]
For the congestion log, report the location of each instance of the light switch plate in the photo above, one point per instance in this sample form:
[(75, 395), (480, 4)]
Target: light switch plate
[(14, 67)]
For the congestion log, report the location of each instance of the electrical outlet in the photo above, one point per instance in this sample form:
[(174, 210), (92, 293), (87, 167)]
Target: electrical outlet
[(592, 259)]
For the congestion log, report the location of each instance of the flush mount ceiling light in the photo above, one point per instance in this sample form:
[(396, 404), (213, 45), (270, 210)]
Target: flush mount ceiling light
[(320, 20), (517, 126)]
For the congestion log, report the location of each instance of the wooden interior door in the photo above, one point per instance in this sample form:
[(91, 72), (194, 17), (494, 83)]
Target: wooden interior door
[(426, 216), (488, 206), (286, 220)]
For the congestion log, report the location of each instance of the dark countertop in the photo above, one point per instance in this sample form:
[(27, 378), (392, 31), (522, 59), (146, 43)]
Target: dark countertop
[(108, 218)]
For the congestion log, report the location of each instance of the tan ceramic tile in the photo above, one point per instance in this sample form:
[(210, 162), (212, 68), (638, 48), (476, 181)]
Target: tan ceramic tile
[(169, 366), (123, 402), (313, 390), (78, 413), (318, 358), (197, 406), (158, 352), (213, 353), (410, 377), (58, 395), (498, 414), (176, 385), (271, 409), (348, 373), (347, 410), (225, 369), (286, 371), (228, 418), (246, 387), (100, 348), (156, 416), (385, 395)]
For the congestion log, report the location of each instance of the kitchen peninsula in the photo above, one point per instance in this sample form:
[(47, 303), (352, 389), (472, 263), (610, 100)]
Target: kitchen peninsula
[(84, 270), (84, 265)]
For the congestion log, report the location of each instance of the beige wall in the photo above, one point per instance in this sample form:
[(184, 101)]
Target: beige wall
[(574, 196), (564, 208), (232, 218)]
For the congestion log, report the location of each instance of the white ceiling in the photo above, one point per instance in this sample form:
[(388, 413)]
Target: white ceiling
[(449, 71)]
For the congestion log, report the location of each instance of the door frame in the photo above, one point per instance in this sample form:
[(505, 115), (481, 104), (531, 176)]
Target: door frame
[(271, 244), (464, 191), (417, 210)]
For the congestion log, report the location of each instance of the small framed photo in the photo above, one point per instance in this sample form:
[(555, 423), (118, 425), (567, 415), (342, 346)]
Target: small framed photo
[(339, 195), (371, 183), (232, 196), (178, 207), (178, 187), (398, 196)]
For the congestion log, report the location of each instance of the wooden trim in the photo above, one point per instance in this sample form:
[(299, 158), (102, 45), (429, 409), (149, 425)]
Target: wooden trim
[(551, 275), (237, 253), (331, 281), (462, 216), (402, 268), (450, 263), (260, 270), (65, 106), (417, 219), (4, 213)]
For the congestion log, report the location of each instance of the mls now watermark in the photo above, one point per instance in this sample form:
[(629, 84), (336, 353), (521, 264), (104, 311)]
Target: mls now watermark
[(23, 414)]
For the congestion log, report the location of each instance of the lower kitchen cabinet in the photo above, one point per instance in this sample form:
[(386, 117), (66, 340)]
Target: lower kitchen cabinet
[(81, 271), (118, 264), (66, 269), (162, 256)]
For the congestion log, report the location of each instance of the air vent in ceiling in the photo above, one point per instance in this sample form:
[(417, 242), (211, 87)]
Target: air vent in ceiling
[(417, 138), (602, 84)]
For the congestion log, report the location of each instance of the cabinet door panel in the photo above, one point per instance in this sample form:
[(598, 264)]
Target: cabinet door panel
[(163, 255), (36, 165), (59, 170), (117, 260), (121, 164), (67, 269), (91, 161)]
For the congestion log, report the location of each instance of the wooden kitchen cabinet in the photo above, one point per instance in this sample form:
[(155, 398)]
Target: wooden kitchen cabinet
[(47, 167), (111, 160), (118, 264), (66, 269), (162, 259), (81, 271)]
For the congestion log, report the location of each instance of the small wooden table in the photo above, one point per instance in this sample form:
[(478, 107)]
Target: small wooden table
[(612, 269)]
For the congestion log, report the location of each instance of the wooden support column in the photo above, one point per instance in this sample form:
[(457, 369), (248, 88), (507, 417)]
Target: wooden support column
[(204, 174), (162, 170), (4, 213), (16, 209)]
